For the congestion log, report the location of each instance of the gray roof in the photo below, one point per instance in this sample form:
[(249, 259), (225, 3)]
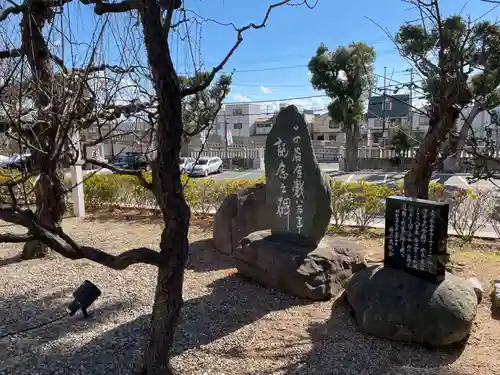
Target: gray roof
[(400, 106)]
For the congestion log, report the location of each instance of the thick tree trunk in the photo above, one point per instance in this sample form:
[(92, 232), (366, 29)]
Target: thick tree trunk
[(50, 208), (169, 194), (351, 148), (168, 299), (49, 188), (416, 181)]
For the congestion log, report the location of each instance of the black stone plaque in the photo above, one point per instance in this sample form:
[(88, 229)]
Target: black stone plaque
[(416, 234)]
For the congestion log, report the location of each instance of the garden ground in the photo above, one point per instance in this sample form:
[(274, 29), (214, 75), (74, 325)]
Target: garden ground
[(229, 324)]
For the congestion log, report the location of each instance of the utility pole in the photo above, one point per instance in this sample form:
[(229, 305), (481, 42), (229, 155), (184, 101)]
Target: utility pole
[(410, 109), (384, 103), (225, 134)]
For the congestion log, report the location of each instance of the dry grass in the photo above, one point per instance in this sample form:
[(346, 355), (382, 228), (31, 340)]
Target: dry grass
[(229, 325)]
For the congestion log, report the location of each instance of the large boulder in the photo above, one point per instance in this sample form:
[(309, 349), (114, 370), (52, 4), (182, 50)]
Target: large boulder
[(393, 304), (288, 264), (298, 192), (240, 214)]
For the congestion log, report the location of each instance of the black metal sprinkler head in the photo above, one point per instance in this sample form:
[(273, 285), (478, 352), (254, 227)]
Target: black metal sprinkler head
[(84, 296)]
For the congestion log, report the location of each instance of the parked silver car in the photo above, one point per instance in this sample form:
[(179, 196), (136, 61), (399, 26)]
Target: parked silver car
[(205, 166), (185, 162)]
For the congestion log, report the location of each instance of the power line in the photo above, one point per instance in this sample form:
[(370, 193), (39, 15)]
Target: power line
[(269, 85), (304, 54), (279, 100), (270, 113), (280, 68), (291, 99), (269, 69)]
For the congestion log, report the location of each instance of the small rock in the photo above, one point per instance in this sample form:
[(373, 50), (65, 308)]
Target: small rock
[(495, 301), (478, 288), (454, 267), (240, 214)]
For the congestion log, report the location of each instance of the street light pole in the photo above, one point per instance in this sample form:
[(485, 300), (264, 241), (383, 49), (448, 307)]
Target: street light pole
[(225, 134)]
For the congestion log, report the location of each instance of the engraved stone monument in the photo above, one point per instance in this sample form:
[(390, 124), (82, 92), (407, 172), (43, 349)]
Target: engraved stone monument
[(297, 191), (416, 233), (292, 255)]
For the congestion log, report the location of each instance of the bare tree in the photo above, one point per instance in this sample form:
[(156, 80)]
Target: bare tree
[(44, 103), (168, 92)]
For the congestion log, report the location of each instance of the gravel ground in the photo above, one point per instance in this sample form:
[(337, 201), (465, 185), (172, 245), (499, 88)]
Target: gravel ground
[(229, 326)]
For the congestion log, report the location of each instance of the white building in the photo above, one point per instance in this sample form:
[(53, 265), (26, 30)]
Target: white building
[(325, 129), (479, 124), (240, 119)]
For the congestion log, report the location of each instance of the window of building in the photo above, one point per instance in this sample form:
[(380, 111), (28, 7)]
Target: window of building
[(423, 120), (332, 138), (333, 125), (378, 122), (237, 112), (321, 138), (396, 122), (238, 126), (387, 105)]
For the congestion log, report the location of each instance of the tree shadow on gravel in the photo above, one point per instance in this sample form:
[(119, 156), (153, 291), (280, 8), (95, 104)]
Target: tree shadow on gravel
[(340, 348), (11, 260), (235, 302), (204, 319), (21, 353), (133, 216), (204, 258)]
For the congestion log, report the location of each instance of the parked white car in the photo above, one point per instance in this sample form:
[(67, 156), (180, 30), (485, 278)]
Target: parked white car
[(184, 163), (205, 166), (4, 160)]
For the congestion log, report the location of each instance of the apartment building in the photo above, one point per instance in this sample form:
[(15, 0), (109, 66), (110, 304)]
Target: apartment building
[(325, 129), (128, 135), (239, 118), (480, 123), (264, 124), (393, 109)]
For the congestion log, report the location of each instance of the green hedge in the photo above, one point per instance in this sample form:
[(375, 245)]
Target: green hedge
[(358, 203), (107, 190)]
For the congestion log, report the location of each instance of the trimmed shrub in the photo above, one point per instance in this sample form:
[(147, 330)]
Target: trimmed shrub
[(470, 211), (359, 203), (343, 203)]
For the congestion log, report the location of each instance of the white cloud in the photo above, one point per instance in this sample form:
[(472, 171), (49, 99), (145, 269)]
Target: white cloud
[(266, 90), (235, 97)]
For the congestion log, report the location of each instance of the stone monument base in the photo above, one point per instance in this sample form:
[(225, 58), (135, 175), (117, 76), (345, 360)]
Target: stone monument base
[(315, 273), (393, 304)]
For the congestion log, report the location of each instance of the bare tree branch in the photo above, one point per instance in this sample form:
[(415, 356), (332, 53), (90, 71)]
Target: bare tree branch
[(11, 10), (58, 241), (127, 172), (16, 52), (120, 7), (239, 39)]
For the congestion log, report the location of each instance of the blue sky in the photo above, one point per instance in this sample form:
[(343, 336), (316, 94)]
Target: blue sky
[(293, 34), (270, 63)]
